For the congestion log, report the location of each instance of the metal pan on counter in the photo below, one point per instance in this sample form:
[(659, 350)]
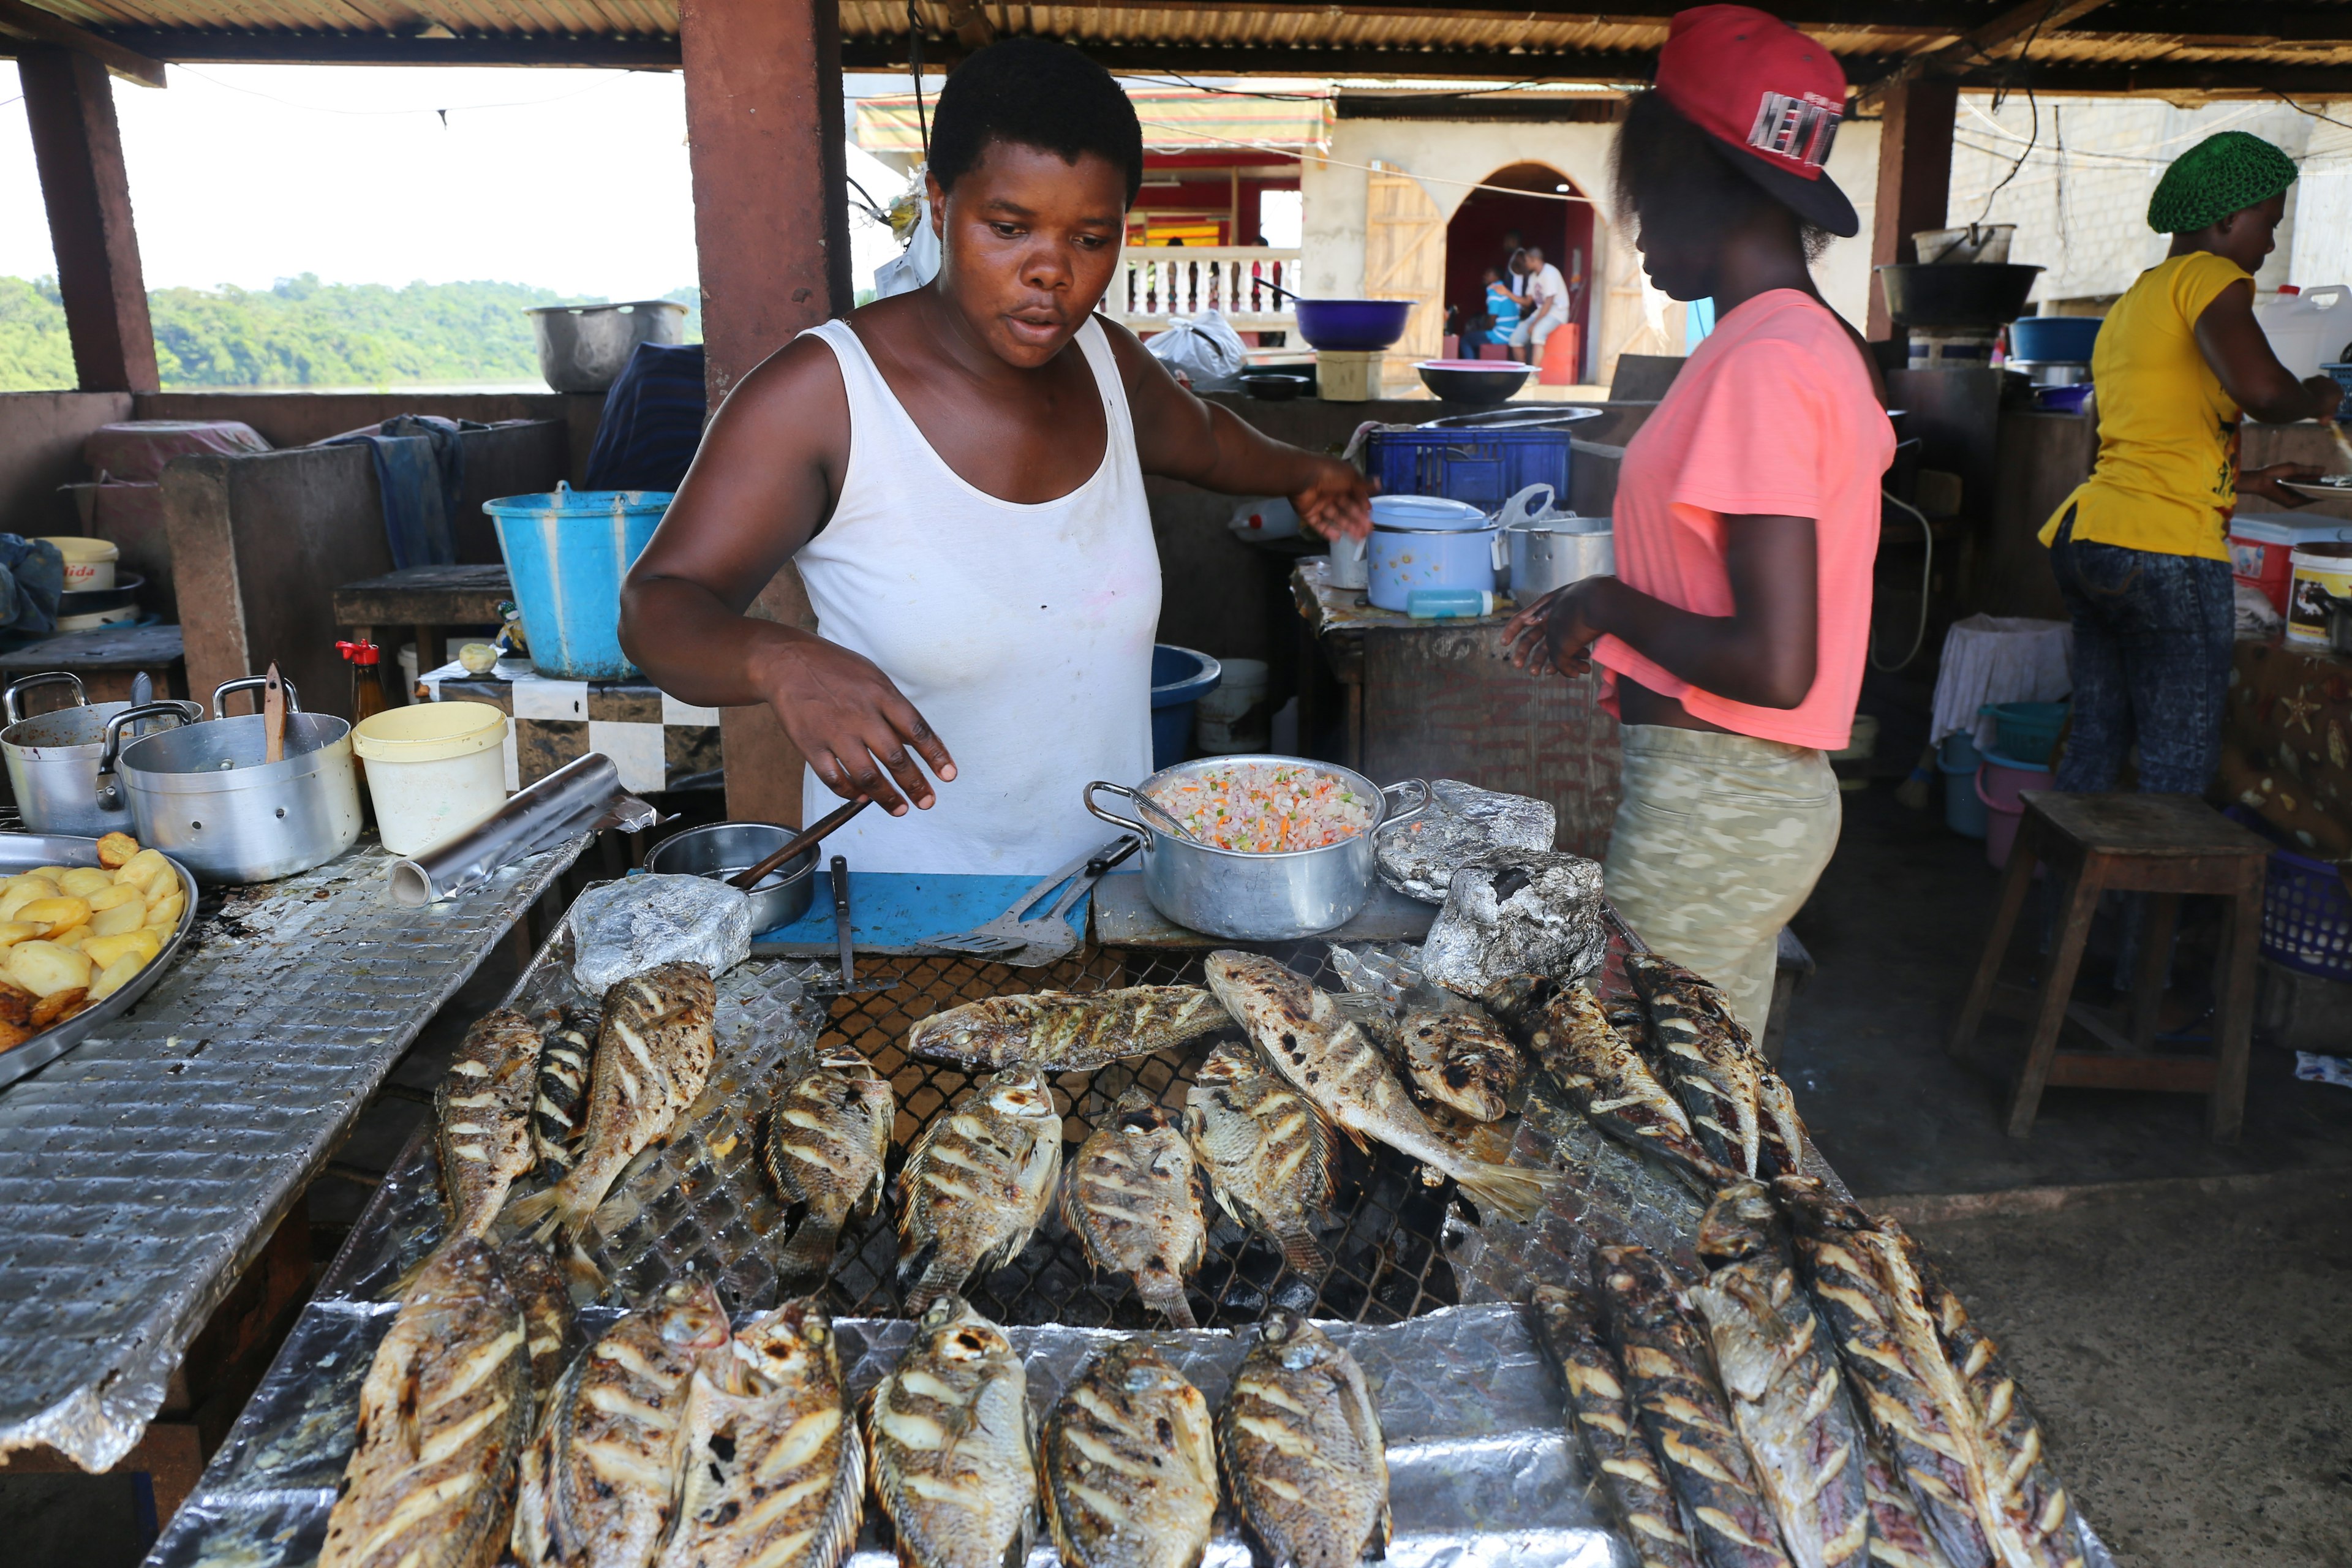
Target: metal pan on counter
[(22, 852), (52, 758)]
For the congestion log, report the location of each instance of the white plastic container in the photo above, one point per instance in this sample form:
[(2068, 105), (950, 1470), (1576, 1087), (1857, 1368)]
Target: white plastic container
[(2309, 329), (90, 563), (1233, 718), (434, 770), (2322, 571)]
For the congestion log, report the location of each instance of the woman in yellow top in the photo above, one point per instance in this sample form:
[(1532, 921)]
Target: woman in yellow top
[(2140, 548)]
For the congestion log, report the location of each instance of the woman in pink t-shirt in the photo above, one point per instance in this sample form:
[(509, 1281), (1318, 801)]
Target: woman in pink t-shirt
[(1747, 511)]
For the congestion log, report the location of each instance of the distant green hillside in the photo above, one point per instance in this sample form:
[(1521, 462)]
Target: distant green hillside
[(303, 333)]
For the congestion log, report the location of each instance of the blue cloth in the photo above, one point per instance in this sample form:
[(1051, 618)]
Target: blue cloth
[(420, 467), (652, 421), (1506, 311), (32, 576)]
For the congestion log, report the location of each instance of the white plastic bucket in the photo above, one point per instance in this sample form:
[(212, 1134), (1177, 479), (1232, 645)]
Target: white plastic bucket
[(2307, 329), (1234, 718), (434, 770), (2321, 571)]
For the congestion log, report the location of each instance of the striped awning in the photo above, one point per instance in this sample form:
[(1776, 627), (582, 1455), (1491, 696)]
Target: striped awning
[(1175, 120)]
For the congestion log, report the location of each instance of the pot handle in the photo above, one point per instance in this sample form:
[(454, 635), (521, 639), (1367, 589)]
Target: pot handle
[(253, 683), (1131, 796), (1499, 550), (1415, 809), (1521, 507), (109, 794), (52, 678)]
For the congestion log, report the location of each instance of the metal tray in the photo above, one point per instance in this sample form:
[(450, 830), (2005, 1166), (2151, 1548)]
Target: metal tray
[(21, 852)]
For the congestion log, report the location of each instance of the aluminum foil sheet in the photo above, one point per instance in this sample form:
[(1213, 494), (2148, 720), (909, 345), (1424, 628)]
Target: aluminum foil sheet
[(583, 796), (1462, 824), (140, 1175)]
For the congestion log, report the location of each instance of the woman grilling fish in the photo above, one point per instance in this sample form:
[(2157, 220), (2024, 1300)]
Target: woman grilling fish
[(959, 474), (1747, 510)]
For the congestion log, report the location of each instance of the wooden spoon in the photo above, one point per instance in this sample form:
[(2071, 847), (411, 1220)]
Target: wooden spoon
[(273, 717)]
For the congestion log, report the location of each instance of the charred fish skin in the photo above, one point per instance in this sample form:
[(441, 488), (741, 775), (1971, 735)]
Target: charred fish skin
[(976, 1182), (559, 1112), (536, 1281), (775, 1472), (444, 1413), (1129, 1196), (599, 1481), (1313, 1042), (1898, 1536), (1714, 1076), (828, 1135), (951, 1456), (1779, 1373), (1606, 1078), (1780, 1132), (1683, 1413), (1056, 1031), (1129, 1464), (1299, 1436), (1909, 1407), (1460, 1058), (1265, 1152), (1600, 1418), (483, 1107)]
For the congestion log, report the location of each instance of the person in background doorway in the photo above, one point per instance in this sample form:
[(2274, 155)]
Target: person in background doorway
[(1502, 309), (1546, 307), (1747, 511)]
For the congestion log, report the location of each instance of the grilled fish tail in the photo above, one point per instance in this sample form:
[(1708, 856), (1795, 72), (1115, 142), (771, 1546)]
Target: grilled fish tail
[(1165, 1293), (1300, 1251), (1519, 1193), (808, 1255)]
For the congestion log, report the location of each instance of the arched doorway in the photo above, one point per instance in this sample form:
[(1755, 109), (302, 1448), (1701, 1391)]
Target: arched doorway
[(1479, 235)]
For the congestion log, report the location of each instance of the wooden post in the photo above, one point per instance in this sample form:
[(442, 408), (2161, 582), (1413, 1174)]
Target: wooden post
[(1915, 176), (764, 124), (69, 106)]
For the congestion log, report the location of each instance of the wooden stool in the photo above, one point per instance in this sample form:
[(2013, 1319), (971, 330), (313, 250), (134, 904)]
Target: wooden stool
[(2163, 845)]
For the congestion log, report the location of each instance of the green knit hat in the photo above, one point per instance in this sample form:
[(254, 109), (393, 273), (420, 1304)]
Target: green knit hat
[(2228, 172)]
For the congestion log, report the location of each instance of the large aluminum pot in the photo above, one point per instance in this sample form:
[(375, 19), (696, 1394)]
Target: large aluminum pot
[(52, 758), (204, 797), (1256, 897), (1553, 552)]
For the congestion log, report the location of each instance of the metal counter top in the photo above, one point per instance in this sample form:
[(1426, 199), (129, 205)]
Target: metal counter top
[(141, 1173)]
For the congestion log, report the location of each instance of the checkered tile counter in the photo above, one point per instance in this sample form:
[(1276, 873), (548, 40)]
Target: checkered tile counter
[(653, 738)]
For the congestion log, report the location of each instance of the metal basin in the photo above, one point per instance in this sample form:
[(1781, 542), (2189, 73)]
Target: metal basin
[(52, 758), (585, 348), (723, 848)]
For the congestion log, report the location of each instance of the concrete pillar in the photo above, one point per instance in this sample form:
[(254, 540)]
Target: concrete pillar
[(1915, 176), (69, 106)]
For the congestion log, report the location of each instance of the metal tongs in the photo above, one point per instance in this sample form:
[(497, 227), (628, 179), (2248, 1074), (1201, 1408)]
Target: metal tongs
[(1028, 943)]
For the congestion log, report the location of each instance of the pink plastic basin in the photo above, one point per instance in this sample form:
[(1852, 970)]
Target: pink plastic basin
[(2002, 782)]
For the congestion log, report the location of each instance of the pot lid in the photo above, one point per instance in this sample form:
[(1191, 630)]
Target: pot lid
[(1427, 514)]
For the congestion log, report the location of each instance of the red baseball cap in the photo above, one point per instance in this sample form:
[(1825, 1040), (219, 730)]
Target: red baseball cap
[(1770, 95)]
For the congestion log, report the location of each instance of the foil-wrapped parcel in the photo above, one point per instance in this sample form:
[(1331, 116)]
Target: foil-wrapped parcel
[(625, 928), (1517, 912), (1463, 826)]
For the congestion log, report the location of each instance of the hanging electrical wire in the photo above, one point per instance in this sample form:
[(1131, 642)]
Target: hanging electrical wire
[(915, 68)]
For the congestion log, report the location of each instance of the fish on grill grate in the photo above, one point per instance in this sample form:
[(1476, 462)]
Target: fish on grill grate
[(1617, 1452), (828, 1134), (1304, 1460), (1606, 1078), (1266, 1152), (1780, 1132), (775, 1471), (1683, 1411), (1129, 1196), (599, 1481), (1129, 1464), (1780, 1375), (1715, 1076), (559, 1114), (976, 1183), (1327, 1056), (443, 1412), (1060, 1031), (1899, 1535), (954, 1452), (1451, 1052), (653, 1057), (538, 1285), (483, 1108)]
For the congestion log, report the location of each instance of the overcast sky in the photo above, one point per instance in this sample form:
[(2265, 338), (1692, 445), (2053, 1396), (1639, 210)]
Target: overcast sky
[(572, 180)]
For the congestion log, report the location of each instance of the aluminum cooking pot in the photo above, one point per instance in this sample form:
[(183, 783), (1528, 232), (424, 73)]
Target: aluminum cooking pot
[(204, 797), (1257, 897), (1552, 552), (52, 757), (1429, 543), (724, 848)]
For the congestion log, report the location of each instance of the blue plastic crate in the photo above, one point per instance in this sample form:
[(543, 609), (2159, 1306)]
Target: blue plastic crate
[(1482, 468)]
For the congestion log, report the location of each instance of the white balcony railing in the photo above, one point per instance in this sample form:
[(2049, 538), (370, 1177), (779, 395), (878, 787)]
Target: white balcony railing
[(1157, 283)]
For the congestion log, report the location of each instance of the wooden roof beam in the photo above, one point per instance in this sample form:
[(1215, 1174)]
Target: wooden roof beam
[(275, 47), (31, 25), (1982, 43)]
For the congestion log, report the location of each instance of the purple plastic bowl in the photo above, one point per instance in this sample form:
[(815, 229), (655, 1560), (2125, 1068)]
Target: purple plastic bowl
[(1358, 324)]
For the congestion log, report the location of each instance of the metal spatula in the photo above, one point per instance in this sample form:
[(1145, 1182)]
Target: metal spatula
[(1009, 939)]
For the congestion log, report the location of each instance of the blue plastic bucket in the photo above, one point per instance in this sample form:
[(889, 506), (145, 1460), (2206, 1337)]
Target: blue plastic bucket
[(1965, 811), (2026, 731), (566, 553), (1180, 679)]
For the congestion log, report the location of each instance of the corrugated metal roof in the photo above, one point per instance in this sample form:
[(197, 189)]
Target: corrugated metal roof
[(1175, 120)]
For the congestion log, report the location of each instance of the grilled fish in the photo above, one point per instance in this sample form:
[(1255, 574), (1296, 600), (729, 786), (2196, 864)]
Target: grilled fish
[(652, 1059), (1265, 1151), (1327, 1057), (1055, 1031), (775, 1473), (537, 1284), (444, 1412), (827, 1136), (1617, 1452), (1780, 1133), (1780, 1374), (1914, 1409), (1301, 1438), (1714, 1076), (483, 1107), (1450, 1051), (1129, 1464), (953, 1458), (559, 1114), (1898, 1536), (1684, 1414), (599, 1481), (1129, 1196), (976, 1183), (1606, 1078)]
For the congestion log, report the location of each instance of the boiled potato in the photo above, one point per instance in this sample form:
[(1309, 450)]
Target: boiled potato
[(164, 912), (84, 881), (142, 942), (45, 968), (112, 978), (72, 936), (148, 870), (115, 893), (118, 920), (52, 873), (58, 1005), (15, 931), (31, 879), (23, 890), (59, 914), (116, 848)]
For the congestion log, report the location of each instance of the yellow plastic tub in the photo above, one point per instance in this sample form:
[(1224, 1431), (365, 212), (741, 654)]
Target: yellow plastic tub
[(90, 563), (434, 770)]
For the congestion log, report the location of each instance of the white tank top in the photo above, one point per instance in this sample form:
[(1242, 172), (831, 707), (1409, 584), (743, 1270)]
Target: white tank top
[(1022, 633)]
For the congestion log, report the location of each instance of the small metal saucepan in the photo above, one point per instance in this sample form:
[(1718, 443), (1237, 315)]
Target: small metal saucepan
[(204, 796), (53, 757), (724, 848)]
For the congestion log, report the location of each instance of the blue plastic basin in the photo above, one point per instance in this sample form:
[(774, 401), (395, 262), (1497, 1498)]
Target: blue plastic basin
[(566, 553), (1180, 679), (2060, 340)]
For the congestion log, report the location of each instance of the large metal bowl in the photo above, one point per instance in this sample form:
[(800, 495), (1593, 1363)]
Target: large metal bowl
[(1256, 897), (724, 848)]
